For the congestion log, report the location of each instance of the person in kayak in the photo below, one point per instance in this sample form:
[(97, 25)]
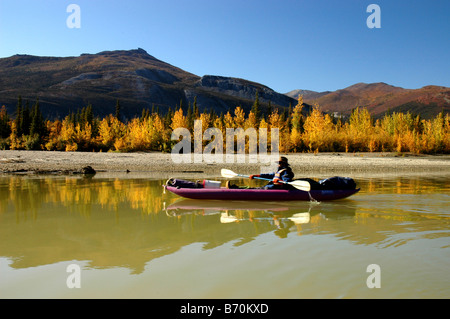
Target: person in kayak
[(284, 173)]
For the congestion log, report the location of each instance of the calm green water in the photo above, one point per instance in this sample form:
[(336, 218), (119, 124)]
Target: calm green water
[(132, 241)]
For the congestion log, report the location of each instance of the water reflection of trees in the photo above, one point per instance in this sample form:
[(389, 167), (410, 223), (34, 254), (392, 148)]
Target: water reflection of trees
[(41, 224), (28, 195), (424, 184)]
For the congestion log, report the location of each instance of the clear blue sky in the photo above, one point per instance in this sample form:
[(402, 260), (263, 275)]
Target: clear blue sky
[(285, 44)]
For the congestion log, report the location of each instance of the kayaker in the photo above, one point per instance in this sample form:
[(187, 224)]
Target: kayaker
[(283, 173)]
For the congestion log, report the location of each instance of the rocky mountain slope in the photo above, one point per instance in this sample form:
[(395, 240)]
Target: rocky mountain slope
[(135, 78)]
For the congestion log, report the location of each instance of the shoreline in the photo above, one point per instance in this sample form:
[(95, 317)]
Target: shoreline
[(160, 165)]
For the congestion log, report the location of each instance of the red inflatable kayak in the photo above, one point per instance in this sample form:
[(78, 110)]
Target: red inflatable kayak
[(260, 194)]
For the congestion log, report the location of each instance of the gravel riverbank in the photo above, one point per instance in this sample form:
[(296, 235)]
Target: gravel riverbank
[(160, 165)]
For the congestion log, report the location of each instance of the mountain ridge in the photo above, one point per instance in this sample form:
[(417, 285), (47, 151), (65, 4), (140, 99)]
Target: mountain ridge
[(380, 98), (134, 77), (139, 80)]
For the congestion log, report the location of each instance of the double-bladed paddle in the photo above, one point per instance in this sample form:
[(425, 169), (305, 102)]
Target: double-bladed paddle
[(301, 185)]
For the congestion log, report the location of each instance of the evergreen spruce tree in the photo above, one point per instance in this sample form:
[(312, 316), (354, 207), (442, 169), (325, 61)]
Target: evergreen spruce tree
[(168, 117), (269, 111), (190, 117), (71, 118), (37, 121), (90, 114), (25, 119), (213, 115), (221, 118), (38, 129), (18, 120), (118, 110), (83, 118), (86, 116), (5, 127), (256, 106), (288, 114), (145, 114), (78, 117), (196, 110)]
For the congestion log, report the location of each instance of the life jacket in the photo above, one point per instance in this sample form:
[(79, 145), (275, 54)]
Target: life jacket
[(278, 174)]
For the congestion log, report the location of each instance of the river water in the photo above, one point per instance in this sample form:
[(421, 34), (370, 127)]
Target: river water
[(123, 237)]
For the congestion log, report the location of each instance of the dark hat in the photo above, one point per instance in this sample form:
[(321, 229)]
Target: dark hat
[(283, 160)]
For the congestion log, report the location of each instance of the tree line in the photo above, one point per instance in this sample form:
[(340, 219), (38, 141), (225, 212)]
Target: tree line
[(314, 132)]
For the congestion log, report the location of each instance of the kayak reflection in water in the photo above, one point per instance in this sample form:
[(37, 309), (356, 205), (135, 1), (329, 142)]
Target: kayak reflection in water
[(283, 174)]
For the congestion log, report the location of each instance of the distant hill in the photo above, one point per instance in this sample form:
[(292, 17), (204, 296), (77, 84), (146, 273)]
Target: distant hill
[(307, 94), (135, 78), (380, 98)]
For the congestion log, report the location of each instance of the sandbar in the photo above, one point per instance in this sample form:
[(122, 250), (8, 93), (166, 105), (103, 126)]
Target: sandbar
[(162, 165)]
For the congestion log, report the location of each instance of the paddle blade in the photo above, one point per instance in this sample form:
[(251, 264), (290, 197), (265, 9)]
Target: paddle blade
[(301, 185), (227, 173), (300, 218)]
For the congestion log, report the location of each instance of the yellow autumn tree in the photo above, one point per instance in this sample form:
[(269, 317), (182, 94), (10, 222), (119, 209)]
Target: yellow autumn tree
[(360, 130), (15, 140), (318, 131), (239, 117), (179, 120), (67, 136), (83, 137), (160, 134), (218, 123), (447, 133), (54, 142), (110, 131), (296, 122), (434, 135), (228, 121), (276, 121), (251, 121), (135, 138), (206, 121)]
